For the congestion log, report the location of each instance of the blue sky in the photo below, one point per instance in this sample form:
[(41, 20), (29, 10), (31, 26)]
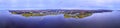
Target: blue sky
[(60, 4)]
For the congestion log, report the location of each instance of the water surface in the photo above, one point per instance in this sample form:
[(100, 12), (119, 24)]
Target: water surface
[(96, 20)]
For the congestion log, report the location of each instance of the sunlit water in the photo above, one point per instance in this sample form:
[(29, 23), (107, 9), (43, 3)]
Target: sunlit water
[(97, 20)]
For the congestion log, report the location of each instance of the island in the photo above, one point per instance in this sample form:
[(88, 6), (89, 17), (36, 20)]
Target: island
[(67, 13)]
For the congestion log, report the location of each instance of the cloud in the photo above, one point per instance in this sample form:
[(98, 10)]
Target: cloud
[(44, 4)]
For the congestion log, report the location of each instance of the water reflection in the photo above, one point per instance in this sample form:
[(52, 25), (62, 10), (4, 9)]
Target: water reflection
[(67, 13)]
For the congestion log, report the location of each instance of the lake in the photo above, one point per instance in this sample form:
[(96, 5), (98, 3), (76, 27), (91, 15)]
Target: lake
[(96, 20)]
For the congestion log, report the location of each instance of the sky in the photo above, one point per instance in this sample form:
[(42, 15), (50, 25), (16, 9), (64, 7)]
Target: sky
[(59, 4)]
